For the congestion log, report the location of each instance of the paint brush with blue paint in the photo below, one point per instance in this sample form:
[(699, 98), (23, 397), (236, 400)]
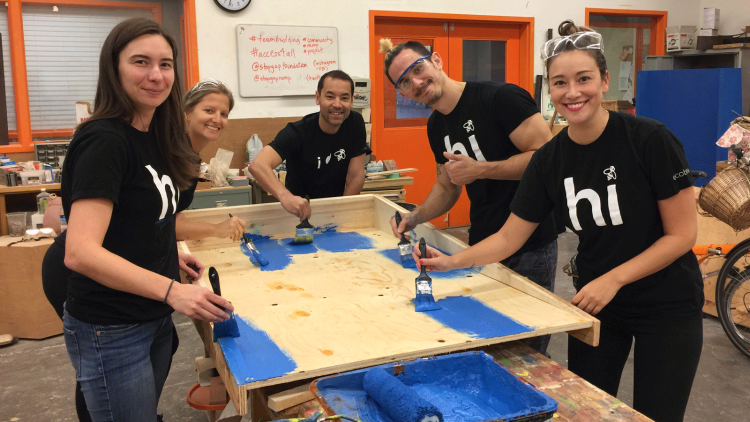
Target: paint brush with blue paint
[(404, 246), (424, 300), (226, 328), (304, 234), (248, 248)]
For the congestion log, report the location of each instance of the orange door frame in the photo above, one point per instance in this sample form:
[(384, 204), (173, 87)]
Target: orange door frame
[(523, 77), (658, 28)]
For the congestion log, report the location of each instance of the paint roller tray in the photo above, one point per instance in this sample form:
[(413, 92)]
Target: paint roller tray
[(465, 387)]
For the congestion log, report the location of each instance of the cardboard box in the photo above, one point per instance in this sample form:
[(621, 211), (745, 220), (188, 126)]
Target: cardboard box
[(708, 32), (24, 309), (681, 37), (710, 18)]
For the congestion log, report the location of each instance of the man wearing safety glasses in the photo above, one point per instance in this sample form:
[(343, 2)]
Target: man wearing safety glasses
[(482, 137)]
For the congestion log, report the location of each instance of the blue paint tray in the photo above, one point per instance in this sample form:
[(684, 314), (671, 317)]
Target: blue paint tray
[(465, 387)]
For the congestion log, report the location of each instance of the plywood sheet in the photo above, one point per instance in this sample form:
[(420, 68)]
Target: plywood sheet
[(340, 308), (331, 310)]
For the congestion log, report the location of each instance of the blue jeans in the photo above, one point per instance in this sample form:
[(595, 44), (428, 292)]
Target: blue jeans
[(538, 266), (121, 368)]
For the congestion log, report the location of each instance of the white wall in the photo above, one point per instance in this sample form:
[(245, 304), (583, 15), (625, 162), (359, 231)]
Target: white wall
[(734, 16), (217, 50)]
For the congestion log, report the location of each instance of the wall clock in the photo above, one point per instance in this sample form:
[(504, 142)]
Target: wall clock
[(232, 5)]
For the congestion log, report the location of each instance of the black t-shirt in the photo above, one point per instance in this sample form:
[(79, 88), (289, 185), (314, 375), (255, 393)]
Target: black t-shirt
[(112, 160), (480, 127), (316, 162), (608, 192)]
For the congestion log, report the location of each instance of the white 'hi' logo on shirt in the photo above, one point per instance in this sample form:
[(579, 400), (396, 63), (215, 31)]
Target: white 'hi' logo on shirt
[(161, 185), (461, 149), (596, 204)]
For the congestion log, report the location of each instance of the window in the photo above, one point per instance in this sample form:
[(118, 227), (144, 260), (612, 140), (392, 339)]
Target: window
[(62, 58), (61, 47)]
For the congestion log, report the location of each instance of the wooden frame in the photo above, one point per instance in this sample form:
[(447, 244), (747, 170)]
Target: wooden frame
[(658, 30), (363, 212), (24, 134)]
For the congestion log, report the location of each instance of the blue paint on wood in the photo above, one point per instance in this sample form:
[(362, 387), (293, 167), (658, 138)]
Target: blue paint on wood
[(298, 249), (470, 316), (333, 241), (465, 387), (273, 251), (253, 356), (395, 256)]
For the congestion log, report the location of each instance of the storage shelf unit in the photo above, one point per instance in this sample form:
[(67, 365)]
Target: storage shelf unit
[(708, 59), (49, 152)]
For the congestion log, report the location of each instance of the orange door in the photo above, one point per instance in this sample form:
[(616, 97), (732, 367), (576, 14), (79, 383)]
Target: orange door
[(399, 124)]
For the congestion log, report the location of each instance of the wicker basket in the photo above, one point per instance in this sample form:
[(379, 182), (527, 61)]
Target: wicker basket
[(727, 197)]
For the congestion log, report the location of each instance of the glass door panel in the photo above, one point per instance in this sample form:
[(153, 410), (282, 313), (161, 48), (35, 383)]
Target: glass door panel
[(484, 61)]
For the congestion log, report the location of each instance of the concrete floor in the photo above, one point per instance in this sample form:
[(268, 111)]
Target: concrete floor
[(37, 379)]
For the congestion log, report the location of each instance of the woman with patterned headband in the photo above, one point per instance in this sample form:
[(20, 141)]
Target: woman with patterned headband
[(625, 189)]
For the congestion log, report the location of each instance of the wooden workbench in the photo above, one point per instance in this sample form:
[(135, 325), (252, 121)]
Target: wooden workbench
[(577, 400), (334, 312), (16, 190)]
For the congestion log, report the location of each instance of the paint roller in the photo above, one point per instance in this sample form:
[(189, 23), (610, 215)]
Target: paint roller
[(399, 401)]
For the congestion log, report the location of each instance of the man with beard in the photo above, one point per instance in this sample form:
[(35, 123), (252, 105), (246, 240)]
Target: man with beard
[(482, 136), (324, 152)]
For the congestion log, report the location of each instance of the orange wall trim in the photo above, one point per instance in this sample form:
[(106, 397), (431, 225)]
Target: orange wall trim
[(20, 84), (192, 74)]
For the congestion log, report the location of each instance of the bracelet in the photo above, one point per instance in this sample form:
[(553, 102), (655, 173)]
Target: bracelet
[(168, 289)]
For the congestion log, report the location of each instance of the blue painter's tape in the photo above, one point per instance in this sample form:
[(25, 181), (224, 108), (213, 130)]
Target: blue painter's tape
[(468, 315), (253, 356), (273, 251), (395, 256)]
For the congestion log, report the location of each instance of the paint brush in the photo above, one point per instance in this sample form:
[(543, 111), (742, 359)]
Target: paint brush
[(404, 246), (226, 328), (304, 233), (248, 248), (424, 300)]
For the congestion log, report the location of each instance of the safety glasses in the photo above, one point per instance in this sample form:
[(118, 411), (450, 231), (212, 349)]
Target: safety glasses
[(404, 84), (578, 41)]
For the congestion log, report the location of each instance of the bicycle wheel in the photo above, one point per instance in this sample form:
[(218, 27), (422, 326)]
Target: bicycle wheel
[(733, 297)]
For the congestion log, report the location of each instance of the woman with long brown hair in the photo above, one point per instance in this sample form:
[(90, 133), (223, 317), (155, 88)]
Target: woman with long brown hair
[(121, 184)]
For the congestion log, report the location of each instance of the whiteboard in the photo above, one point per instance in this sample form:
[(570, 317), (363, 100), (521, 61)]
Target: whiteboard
[(279, 60)]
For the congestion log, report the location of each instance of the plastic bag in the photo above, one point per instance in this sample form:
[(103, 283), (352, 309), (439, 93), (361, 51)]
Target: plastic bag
[(254, 145), (219, 167)]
